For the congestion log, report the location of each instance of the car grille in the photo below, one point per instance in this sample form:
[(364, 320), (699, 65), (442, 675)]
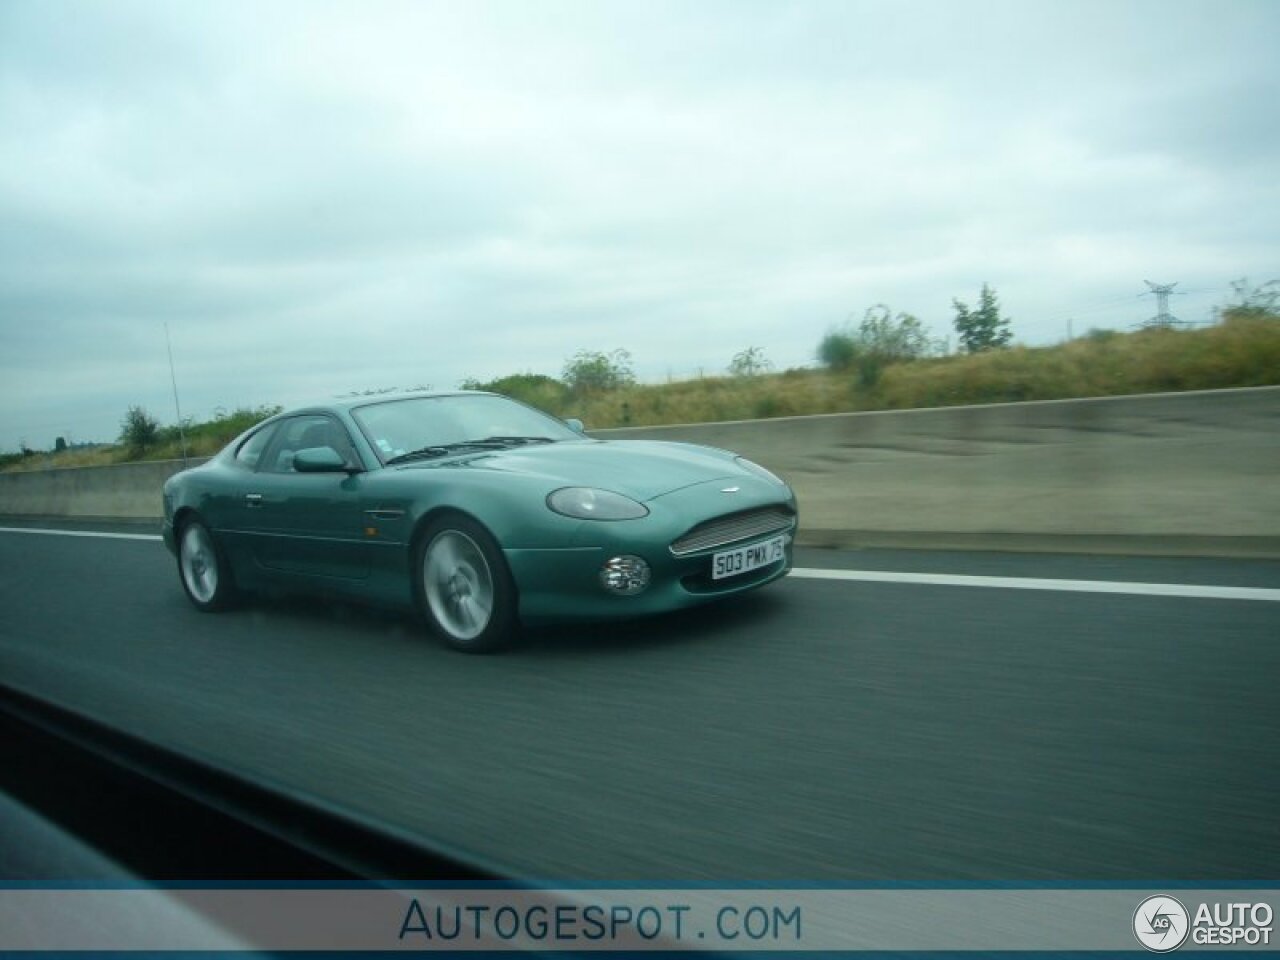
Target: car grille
[(732, 528)]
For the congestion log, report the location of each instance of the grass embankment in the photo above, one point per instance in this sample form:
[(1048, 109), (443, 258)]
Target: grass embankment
[(1242, 351), (203, 440)]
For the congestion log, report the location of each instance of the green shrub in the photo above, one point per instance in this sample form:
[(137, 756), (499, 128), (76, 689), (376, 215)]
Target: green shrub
[(139, 431)]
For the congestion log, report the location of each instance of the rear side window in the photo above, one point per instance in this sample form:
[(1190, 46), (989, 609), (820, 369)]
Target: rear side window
[(250, 451)]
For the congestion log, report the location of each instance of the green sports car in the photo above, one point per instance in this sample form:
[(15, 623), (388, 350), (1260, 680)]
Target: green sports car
[(481, 512)]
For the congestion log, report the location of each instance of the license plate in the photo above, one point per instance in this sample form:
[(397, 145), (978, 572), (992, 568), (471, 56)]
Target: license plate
[(731, 563)]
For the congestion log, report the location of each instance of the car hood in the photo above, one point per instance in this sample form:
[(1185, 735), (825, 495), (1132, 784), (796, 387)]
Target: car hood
[(640, 469)]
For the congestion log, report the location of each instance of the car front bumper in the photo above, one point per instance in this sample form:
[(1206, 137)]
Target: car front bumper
[(564, 585)]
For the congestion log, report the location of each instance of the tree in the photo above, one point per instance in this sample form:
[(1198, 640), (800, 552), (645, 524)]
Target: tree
[(838, 350), (750, 362), (1253, 303), (545, 393), (589, 371), (882, 338), (139, 430), (893, 338), (982, 329)]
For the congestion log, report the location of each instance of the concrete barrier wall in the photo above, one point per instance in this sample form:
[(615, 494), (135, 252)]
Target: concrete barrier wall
[(1167, 473), (125, 491), (1188, 472)]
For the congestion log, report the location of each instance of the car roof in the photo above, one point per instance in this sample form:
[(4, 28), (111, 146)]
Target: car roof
[(350, 403)]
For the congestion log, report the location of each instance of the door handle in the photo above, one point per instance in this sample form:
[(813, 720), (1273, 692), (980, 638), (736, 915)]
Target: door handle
[(253, 499)]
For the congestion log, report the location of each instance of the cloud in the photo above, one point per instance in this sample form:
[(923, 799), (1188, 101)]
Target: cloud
[(319, 197)]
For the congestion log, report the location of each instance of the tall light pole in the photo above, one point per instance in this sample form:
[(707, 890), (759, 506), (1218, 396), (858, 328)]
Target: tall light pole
[(173, 377)]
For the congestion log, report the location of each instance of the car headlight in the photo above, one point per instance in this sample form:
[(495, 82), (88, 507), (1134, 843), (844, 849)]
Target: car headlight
[(759, 471), (587, 503)]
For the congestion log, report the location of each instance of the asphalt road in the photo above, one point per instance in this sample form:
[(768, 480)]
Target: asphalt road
[(819, 730)]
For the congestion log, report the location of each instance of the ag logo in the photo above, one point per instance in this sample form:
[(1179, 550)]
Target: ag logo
[(1161, 923)]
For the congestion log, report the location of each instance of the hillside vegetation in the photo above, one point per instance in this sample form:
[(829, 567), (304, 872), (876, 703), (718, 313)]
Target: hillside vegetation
[(203, 440), (1241, 351)]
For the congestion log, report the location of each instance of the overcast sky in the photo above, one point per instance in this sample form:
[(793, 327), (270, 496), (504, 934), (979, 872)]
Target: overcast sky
[(324, 197)]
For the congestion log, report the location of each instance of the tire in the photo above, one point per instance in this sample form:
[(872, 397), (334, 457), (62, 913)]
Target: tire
[(463, 586), (203, 569)]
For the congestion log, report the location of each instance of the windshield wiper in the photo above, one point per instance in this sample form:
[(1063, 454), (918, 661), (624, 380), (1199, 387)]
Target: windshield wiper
[(424, 453), (444, 449), (516, 441)]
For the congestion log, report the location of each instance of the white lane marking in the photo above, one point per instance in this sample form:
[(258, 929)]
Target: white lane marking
[(1202, 591), (83, 533)]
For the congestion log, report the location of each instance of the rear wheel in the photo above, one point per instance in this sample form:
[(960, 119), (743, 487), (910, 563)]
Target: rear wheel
[(463, 586), (203, 569)]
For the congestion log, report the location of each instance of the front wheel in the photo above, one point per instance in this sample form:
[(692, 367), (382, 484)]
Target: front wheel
[(464, 588), (203, 569)]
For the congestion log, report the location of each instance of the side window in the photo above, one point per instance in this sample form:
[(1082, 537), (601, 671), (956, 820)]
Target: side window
[(250, 451), (302, 433)]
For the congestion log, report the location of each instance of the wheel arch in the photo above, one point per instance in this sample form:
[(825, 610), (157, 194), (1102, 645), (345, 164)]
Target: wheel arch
[(184, 515), (424, 522)]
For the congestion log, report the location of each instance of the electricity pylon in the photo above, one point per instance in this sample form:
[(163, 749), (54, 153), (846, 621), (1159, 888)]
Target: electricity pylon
[(1163, 317)]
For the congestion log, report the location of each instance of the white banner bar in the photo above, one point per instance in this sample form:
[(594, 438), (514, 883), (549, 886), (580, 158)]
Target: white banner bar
[(776, 920)]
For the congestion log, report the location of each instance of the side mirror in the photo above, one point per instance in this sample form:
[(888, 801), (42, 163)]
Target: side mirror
[(574, 424), (319, 460)]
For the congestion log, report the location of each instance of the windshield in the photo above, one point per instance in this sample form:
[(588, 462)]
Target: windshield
[(399, 427)]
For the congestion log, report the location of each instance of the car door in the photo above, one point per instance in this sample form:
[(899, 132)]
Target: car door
[(308, 524), (231, 511)]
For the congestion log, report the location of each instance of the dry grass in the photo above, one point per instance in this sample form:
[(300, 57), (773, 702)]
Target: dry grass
[(718, 398), (1241, 352)]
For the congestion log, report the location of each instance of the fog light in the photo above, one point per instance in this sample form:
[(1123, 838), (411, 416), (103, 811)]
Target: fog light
[(625, 575)]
